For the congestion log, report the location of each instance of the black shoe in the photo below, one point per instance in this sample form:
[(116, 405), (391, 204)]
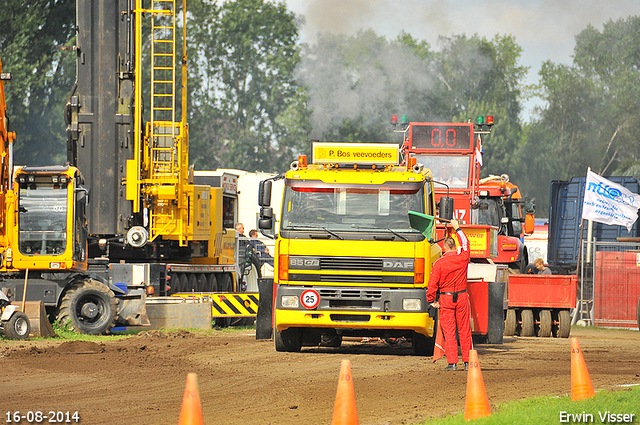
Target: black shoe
[(451, 366), (466, 365)]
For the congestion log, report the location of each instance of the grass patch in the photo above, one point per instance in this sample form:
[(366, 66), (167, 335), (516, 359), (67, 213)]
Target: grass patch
[(548, 410)]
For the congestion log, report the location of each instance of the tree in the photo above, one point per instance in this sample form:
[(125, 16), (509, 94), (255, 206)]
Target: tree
[(591, 110), (32, 35), (246, 71)]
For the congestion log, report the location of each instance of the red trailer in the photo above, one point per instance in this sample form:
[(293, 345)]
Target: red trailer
[(540, 305)]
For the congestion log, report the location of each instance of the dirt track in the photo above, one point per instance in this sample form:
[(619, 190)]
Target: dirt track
[(141, 380)]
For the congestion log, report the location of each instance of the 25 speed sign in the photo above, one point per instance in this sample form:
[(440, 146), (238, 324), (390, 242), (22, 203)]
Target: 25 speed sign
[(310, 299)]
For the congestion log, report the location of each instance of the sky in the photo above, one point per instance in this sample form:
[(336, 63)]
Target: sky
[(545, 29)]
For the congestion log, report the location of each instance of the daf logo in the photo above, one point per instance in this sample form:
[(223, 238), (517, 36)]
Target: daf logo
[(389, 264)]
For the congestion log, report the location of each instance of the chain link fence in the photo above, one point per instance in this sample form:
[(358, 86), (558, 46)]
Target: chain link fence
[(609, 284)]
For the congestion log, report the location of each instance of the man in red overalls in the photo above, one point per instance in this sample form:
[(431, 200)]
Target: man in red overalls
[(449, 276)]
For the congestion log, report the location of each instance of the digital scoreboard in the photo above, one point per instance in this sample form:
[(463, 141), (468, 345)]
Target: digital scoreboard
[(442, 137)]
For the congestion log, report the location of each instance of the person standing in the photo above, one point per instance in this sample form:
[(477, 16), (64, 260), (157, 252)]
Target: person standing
[(240, 230), (260, 247), (449, 276)]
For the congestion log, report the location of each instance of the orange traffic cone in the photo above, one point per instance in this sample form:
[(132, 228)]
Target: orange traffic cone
[(438, 349), (191, 413), (581, 386), (344, 411), (477, 403)]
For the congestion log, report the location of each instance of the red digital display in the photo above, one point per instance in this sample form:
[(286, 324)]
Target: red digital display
[(442, 136)]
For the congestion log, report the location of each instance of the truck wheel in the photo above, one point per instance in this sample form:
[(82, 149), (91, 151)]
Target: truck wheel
[(564, 324), (528, 325), (183, 283), (544, 331), (331, 340), (510, 323), (423, 345), (212, 283), (192, 286), (90, 306), (202, 283), (18, 326), (288, 340)]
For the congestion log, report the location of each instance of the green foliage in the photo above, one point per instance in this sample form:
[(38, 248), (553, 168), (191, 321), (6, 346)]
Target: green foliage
[(547, 410), (247, 51), (32, 34), (256, 96), (592, 108)]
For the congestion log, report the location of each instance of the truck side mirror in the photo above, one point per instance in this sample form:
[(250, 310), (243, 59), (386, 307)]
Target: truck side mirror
[(266, 218), (445, 207), (264, 194), (529, 205)]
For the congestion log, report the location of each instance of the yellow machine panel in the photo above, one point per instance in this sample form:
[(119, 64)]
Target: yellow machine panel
[(199, 211)]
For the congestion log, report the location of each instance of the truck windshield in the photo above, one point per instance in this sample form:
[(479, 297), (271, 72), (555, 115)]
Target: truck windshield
[(488, 213), (42, 219), (345, 207), (452, 170)]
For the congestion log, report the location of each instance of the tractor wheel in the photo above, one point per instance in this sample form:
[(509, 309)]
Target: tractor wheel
[(90, 306), (564, 324), (544, 330), (18, 326), (510, 323), (288, 340), (528, 325)]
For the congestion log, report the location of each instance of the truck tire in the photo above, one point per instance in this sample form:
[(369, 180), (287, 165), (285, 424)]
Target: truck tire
[(18, 326), (288, 340), (564, 324), (510, 323), (423, 345), (90, 306), (544, 331), (528, 325), (331, 340)]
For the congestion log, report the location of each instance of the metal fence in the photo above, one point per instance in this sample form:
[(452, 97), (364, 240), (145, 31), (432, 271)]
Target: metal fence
[(609, 284)]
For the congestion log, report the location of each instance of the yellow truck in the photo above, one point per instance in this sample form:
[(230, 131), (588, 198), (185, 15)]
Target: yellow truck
[(347, 260)]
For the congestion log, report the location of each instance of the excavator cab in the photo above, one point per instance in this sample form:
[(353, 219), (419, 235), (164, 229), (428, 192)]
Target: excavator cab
[(50, 229)]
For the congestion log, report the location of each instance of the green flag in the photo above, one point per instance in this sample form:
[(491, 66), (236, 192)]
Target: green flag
[(421, 222)]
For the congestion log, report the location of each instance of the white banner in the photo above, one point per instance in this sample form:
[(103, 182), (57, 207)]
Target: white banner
[(608, 202)]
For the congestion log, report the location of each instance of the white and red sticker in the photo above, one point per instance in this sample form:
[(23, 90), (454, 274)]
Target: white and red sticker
[(310, 299)]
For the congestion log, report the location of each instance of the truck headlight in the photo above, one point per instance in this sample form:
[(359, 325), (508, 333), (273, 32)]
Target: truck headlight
[(289, 301), (412, 304)]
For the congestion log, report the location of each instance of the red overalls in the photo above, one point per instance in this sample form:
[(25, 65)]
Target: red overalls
[(449, 275)]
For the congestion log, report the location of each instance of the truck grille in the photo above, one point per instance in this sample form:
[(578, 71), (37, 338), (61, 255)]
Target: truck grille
[(350, 293), (350, 278), (350, 317), (351, 263)]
